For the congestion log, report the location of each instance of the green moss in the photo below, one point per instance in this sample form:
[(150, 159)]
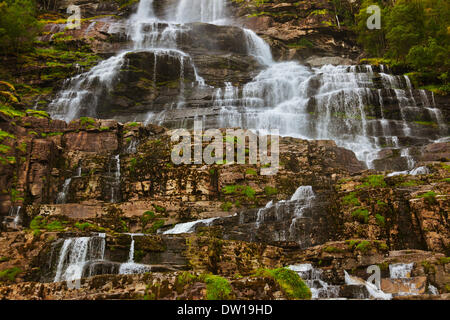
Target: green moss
[(4, 135), (373, 181), (427, 123), (381, 221), (183, 279), (251, 172), (362, 215), (159, 209), (37, 114), (270, 191), (247, 191), (226, 206), (4, 148), (104, 128), (87, 121), (331, 249), (4, 259), (290, 282), (9, 274), (351, 200), (83, 226), (132, 124), (430, 197), (217, 287), (444, 260), (364, 246), (155, 226), (10, 111)]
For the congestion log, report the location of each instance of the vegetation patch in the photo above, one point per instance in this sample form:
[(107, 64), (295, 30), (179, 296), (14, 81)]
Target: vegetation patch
[(289, 281), (10, 274), (430, 197), (246, 191), (373, 181), (351, 200), (362, 215), (217, 287)]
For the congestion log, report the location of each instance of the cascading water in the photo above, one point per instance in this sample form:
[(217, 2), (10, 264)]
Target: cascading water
[(80, 94), (76, 253), (130, 267), (348, 104), (189, 227), (313, 278), (294, 208), (114, 170), (211, 11), (61, 198)]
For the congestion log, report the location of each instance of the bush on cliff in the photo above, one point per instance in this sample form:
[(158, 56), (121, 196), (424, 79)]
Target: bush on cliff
[(18, 25), (289, 281)]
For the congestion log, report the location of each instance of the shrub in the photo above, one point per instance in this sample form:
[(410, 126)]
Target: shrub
[(351, 200), (362, 215), (217, 288), (290, 282), (10, 274)]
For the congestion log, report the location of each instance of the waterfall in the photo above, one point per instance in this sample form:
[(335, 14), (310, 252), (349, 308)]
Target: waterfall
[(16, 220), (74, 255), (130, 267), (258, 48), (189, 227), (115, 184), (84, 90), (292, 209), (62, 195), (374, 292), (210, 11), (78, 175), (80, 94), (313, 279), (339, 103)]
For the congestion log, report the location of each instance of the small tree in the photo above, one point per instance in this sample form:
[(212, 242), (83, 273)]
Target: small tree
[(18, 25)]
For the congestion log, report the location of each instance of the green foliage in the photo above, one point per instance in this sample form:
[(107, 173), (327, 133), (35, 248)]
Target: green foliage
[(83, 226), (226, 206), (351, 200), (380, 220), (430, 197), (159, 209), (217, 288), (331, 249), (413, 33), (4, 135), (290, 282), (362, 215), (147, 217), (9, 274), (364, 246), (270, 191), (18, 25), (185, 278), (251, 172), (373, 181), (39, 223), (10, 111), (86, 121), (247, 191)]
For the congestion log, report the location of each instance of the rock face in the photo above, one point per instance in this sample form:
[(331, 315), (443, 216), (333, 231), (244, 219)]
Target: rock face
[(303, 29)]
